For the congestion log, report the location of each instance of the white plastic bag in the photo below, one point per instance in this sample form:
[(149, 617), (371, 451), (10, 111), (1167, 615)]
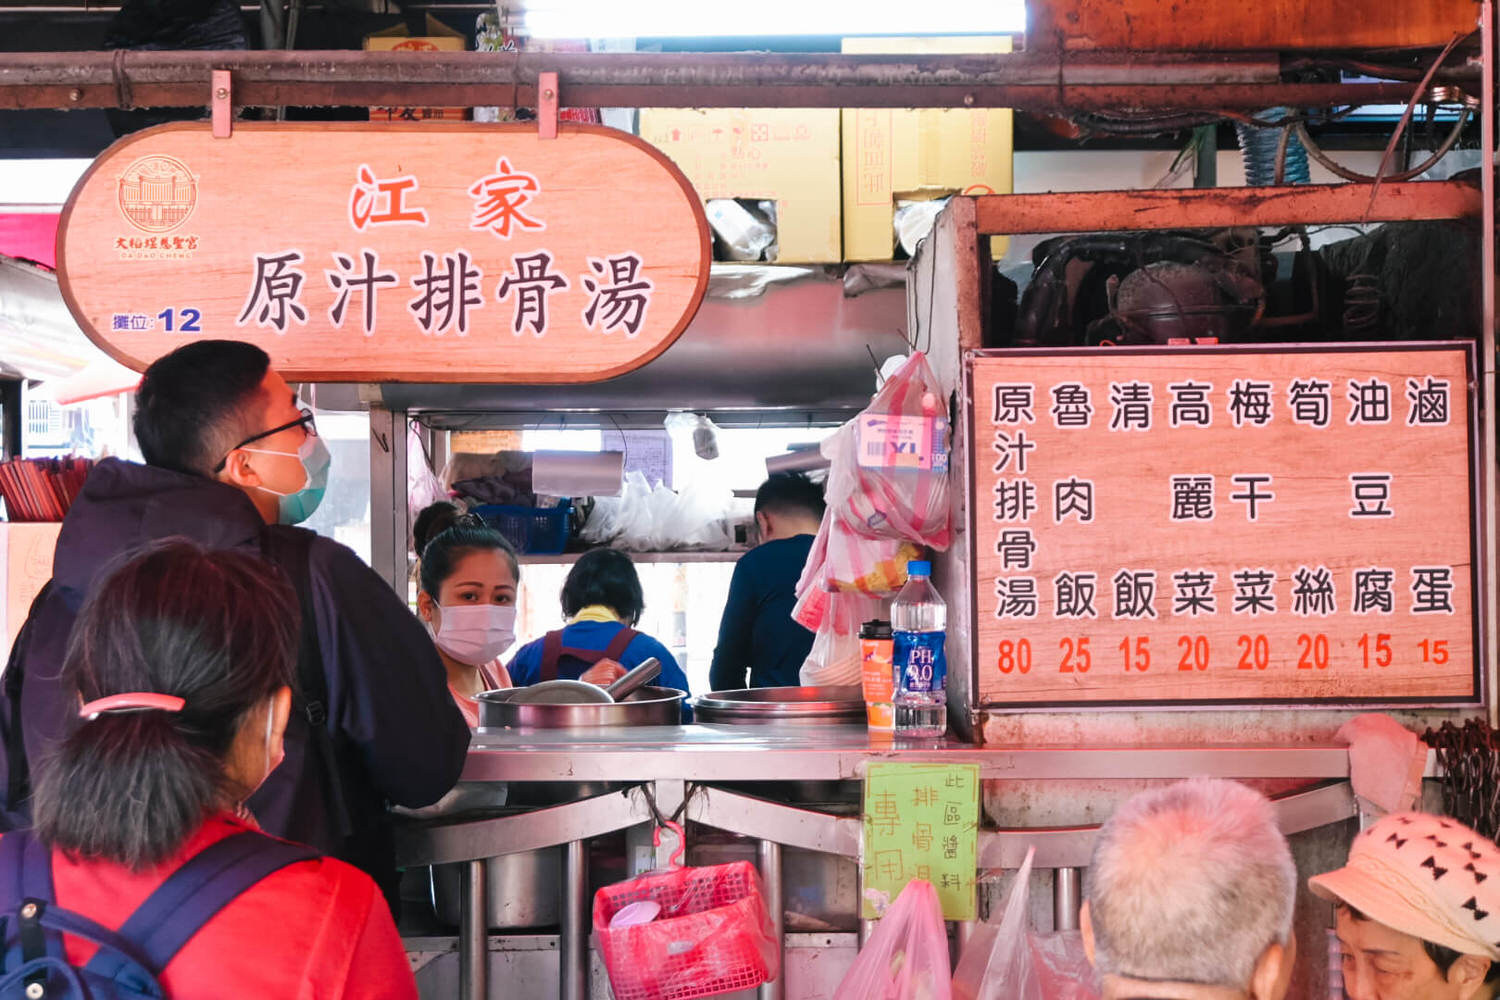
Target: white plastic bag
[(907, 956), (1008, 961), (835, 657)]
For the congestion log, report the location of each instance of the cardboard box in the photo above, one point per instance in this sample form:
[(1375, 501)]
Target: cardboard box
[(439, 38), (916, 155), (786, 155), (25, 566)]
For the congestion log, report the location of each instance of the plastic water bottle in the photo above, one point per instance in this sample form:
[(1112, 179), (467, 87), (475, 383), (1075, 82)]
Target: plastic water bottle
[(919, 619)]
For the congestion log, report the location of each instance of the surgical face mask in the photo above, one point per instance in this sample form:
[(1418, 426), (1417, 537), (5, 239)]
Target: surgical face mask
[(298, 506), (474, 634)]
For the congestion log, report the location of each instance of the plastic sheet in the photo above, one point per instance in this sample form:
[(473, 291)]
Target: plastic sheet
[(1007, 961), (647, 519), (907, 956)]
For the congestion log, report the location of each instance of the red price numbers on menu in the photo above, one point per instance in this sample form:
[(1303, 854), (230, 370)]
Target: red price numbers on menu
[(1014, 656), (1137, 653), (1194, 652), (1314, 652), (1255, 652)]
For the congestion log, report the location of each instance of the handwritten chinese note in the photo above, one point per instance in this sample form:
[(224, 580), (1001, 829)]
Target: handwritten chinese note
[(921, 821), (1289, 525)]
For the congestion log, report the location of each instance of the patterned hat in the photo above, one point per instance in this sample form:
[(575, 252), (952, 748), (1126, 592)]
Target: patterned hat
[(1426, 876)]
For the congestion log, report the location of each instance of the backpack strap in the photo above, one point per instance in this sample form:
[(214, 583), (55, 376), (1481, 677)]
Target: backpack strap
[(26, 868), (194, 895), (291, 549)]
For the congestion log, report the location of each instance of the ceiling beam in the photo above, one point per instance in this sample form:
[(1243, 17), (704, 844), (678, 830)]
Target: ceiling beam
[(1029, 82)]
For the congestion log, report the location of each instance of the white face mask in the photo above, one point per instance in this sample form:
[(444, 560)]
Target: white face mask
[(474, 634)]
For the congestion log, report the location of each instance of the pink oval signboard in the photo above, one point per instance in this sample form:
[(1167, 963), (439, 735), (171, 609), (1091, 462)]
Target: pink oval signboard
[(434, 252)]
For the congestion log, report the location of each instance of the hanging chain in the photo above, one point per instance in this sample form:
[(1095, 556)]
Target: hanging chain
[(1471, 773)]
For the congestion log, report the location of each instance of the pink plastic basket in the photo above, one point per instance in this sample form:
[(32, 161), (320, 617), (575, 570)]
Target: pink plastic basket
[(713, 935)]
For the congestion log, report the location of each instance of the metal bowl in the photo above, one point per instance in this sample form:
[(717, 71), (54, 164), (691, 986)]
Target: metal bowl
[(649, 706), (820, 706)]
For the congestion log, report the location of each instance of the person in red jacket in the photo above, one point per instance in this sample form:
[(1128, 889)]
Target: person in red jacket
[(182, 660)]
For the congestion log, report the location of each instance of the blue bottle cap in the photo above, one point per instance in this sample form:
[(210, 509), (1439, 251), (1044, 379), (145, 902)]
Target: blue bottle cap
[(919, 567)]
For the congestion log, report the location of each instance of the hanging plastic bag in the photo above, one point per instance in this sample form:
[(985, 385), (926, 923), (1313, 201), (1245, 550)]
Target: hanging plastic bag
[(1007, 961), (907, 956), (890, 479), (887, 494), (835, 657)]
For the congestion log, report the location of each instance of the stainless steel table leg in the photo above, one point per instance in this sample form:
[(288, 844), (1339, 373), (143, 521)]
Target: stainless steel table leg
[(473, 934), (770, 876), (1067, 897), (573, 947), (963, 933), (866, 927)]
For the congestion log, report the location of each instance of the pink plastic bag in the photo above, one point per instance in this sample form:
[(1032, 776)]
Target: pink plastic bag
[(887, 494), (895, 482), (1008, 961), (907, 956)]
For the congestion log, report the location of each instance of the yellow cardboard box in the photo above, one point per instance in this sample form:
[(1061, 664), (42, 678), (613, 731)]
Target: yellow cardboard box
[(786, 155), (439, 38), (915, 155)]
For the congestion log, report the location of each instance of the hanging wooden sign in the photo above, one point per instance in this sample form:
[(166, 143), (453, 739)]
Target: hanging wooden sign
[(1201, 525), (438, 252)]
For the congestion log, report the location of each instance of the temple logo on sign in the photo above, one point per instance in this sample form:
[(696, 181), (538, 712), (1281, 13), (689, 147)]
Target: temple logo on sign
[(157, 194)]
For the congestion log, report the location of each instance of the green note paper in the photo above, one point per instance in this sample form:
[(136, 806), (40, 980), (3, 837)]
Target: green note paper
[(921, 821)]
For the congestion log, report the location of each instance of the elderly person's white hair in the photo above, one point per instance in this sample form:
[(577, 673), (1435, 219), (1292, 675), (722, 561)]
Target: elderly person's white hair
[(1190, 884)]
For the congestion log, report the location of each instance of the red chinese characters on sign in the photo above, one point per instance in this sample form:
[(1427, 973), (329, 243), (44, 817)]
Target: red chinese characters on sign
[(1224, 525), (500, 198), (382, 202)]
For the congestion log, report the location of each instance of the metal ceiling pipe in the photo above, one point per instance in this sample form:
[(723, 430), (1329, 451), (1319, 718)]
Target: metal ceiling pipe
[(1026, 81)]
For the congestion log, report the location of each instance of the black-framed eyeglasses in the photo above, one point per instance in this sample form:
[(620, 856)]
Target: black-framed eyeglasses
[(305, 421)]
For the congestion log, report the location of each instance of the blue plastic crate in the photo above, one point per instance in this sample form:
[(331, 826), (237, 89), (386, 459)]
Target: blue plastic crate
[(535, 530)]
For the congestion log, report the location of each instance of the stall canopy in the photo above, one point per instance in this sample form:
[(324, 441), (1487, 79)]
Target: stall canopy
[(29, 236)]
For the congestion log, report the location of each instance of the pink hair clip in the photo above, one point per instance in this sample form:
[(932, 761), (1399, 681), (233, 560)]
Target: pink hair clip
[(131, 701)]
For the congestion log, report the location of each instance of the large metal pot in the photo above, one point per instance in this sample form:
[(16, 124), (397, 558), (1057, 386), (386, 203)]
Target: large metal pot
[(521, 890), (804, 706), (650, 706), (789, 706)]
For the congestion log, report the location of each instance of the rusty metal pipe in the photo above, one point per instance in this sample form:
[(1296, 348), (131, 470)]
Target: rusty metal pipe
[(1034, 82)]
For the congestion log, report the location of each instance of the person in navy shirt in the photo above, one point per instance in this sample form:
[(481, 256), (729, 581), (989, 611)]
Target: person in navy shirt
[(757, 634), (602, 600)]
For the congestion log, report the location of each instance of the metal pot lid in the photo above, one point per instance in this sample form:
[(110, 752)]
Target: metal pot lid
[(786, 702), (642, 694)]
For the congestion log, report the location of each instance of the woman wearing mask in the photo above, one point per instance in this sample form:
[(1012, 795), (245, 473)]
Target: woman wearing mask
[(602, 600), (467, 597), (181, 662)]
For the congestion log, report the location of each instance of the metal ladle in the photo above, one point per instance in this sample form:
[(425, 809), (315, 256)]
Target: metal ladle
[(571, 692)]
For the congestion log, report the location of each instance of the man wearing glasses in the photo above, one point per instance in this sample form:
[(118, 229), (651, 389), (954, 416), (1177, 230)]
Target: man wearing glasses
[(232, 460)]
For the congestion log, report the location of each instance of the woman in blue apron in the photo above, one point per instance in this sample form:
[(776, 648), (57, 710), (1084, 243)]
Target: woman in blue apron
[(602, 600)]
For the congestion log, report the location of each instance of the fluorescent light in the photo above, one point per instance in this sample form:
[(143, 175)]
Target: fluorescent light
[(716, 18)]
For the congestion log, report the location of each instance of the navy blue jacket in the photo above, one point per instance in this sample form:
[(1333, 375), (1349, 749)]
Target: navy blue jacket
[(399, 738), (757, 633)]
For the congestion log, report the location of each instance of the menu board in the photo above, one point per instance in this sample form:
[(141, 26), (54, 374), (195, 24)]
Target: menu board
[(449, 252), (1210, 525)]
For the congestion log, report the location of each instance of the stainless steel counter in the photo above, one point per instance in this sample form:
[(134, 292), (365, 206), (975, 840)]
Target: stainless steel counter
[(717, 753), (681, 770)]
